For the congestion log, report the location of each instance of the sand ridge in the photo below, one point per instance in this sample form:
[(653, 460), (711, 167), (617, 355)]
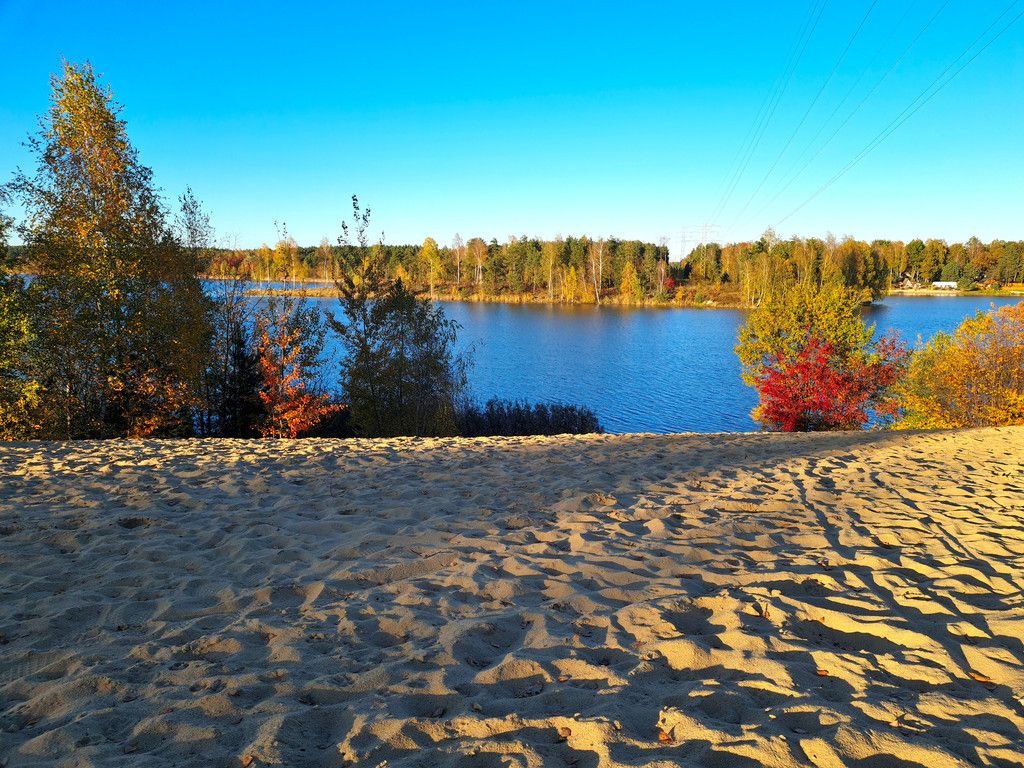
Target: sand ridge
[(637, 600)]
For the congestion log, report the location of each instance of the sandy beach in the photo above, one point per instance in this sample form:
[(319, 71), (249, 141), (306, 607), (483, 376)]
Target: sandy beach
[(699, 600)]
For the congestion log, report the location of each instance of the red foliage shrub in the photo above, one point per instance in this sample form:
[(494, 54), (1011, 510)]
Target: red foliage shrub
[(815, 389)]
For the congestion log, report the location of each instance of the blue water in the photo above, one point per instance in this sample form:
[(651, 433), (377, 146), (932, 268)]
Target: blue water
[(647, 370)]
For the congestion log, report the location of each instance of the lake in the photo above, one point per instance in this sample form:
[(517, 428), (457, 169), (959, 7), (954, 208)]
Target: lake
[(647, 370)]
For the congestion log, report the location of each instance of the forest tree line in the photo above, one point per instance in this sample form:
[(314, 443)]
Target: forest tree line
[(571, 270), (771, 266), (583, 270)]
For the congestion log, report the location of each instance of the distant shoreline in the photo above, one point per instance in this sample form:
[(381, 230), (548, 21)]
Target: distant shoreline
[(929, 292), (329, 293), (320, 289)]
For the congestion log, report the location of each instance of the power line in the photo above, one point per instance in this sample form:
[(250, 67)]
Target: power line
[(801, 45), (769, 99), (767, 111), (911, 109), (858, 106), (807, 112)]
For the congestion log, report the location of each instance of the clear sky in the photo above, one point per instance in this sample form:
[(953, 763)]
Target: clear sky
[(498, 119)]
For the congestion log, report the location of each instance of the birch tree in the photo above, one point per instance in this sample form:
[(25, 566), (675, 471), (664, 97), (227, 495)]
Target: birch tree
[(120, 318)]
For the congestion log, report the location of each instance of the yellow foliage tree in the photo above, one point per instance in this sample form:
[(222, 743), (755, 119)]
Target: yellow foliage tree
[(782, 324), (629, 285), (402, 275), (286, 259), (431, 258), (119, 319), (571, 286), (973, 377)]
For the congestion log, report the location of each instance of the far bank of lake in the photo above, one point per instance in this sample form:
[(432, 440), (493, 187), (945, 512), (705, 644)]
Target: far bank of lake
[(687, 297)]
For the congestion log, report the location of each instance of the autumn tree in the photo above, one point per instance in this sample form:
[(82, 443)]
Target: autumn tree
[(781, 326), (914, 257), (264, 362), (410, 380), (549, 258), (932, 259), (596, 254), (478, 252), (629, 284), (813, 390), (431, 259), (814, 364), (571, 286), (119, 316), (289, 341), (265, 260), (285, 257), (972, 377), (325, 257)]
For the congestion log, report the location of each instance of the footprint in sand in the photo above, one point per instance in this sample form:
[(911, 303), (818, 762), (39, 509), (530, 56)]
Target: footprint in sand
[(485, 643)]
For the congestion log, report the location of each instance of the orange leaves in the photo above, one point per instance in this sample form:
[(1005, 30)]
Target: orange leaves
[(972, 378), (290, 408), (983, 679), (287, 346), (150, 399)]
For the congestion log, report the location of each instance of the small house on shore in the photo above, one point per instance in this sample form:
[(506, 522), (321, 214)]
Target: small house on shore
[(944, 285), (906, 281)]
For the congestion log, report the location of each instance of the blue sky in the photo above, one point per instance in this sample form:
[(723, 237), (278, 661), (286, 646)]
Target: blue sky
[(488, 119)]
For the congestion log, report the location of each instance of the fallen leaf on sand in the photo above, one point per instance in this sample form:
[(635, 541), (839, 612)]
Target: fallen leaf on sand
[(986, 681), (563, 678), (663, 737), (821, 672), (564, 732), (247, 760)]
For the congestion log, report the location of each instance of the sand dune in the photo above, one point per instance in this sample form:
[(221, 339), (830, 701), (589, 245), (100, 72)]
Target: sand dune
[(737, 600)]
